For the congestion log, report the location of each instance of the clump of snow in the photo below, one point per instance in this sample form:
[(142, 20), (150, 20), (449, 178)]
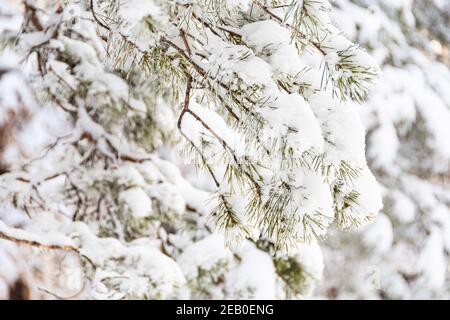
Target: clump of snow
[(204, 254), (133, 271), (238, 60), (273, 42), (433, 262), (315, 205), (135, 10), (367, 204), (291, 111), (343, 131), (263, 34), (403, 207), (311, 258), (254, 277), (379, 235), (137, 201)]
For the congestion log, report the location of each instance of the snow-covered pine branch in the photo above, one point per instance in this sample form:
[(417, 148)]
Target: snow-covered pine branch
[(262, 96)]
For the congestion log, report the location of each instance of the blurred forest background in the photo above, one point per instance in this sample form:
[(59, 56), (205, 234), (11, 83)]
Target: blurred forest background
[(404, 254)]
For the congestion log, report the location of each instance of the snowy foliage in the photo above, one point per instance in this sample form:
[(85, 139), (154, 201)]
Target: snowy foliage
[(106, 106), (405, 253)]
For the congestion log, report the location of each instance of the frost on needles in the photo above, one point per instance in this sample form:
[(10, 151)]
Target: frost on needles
[(261, 95)]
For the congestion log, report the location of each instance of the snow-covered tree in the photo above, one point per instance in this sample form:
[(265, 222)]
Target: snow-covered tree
[(261, 95), (405, 253)]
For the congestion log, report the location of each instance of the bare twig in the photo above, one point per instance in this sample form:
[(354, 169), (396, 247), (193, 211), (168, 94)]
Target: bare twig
[(39, 245)]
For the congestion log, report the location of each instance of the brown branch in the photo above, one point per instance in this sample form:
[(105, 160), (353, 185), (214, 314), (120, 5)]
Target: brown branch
[(204, 74), (214, 31), (180, 118), (204, 124), (53, 247), (186, 44), (32, 15), (36, 244), (94, 15)]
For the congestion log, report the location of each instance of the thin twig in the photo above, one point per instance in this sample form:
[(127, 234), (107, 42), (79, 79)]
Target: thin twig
[(39, 245)]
